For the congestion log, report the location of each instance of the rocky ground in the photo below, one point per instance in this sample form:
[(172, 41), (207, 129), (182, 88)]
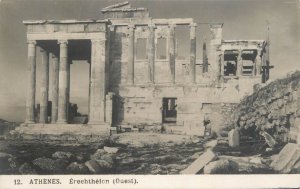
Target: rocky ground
[(132, 153)]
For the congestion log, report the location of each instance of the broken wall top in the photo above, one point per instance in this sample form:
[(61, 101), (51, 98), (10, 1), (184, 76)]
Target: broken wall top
[(124, 10)]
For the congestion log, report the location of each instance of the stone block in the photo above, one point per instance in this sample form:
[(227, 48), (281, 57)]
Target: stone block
[(93, 166), (287, 158), (234, 138), (111, 150), (199, 163), (79, 120), (222, 167)]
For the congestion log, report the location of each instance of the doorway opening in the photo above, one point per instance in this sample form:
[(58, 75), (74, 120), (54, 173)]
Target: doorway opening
[(169, 110)]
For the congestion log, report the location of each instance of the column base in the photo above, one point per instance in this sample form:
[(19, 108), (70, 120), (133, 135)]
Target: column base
[(96, 123), (61, 122), (29, 122)]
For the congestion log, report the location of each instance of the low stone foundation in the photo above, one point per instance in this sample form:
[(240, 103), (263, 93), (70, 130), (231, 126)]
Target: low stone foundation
[(81, 133)]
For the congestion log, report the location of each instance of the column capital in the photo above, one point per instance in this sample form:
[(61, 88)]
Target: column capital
[(131, 27), (62, 42), (172, 26), (193, 24), (98, 41), (111, 27), (31, 42), (216, 25), (152, 26)]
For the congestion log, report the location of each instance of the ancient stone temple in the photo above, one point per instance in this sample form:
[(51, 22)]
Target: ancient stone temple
[(137, 77)]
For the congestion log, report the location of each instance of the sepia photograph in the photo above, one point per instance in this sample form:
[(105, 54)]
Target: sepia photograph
[(158, 87)]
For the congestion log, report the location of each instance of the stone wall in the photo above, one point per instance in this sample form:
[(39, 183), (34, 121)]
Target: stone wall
[(274, 108)]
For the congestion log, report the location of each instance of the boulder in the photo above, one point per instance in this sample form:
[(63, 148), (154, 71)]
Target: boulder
[(199, 163), (4, 160), (234, 138), (93, 166), (211, 144), (221, 167), (98, 154), (287, 158), (110, 158), (27, 169), (77, 168), (111, 150), (7, 163), (63, 155), (269, 139), (48, 166)]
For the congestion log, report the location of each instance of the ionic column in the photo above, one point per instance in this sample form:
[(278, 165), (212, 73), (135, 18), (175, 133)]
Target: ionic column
[(193, 53), (44, 87), (98, 84), (64, 69), (31, 72), (130, 71), (151, 52), (55, 76), (172, 51)]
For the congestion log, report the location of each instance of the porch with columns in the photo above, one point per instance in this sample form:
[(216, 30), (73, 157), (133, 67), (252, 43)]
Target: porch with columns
[(58, 55)]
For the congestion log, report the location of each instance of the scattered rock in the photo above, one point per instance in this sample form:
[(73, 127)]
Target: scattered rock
[(7, 163), (256, 160), (165, 158), (196, 155), (234, 138), (199, 163), (77, 168), (269, 139), (287, 158), (27, 169), (110, 158), (47, 165), (221, 167), (211, 144), (98, 154), (63, 155), (93, 166), (111, 150)]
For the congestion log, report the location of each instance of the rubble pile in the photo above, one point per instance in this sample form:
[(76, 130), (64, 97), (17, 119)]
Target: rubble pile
[(270, 111)]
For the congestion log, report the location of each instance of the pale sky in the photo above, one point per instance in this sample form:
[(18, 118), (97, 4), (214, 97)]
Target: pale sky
[(243, 19)]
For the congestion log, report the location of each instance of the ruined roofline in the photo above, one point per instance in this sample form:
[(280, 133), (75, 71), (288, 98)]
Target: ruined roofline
[(151, 21), (125, 10), (242, 40), (30, 22), (116, 6)]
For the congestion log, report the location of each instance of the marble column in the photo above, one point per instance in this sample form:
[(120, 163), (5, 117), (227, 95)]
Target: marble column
[(172, 51), (64, 69), (130, 71), (31, 69), (193, 53), (98, 82), (151, 52), (55, 76), (44, 87)]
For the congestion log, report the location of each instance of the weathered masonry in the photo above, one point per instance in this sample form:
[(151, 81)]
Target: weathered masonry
[(137, 75)]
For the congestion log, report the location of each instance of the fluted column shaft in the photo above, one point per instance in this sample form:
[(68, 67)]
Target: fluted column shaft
[(44, 87), (55, 76), (64, 69)]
